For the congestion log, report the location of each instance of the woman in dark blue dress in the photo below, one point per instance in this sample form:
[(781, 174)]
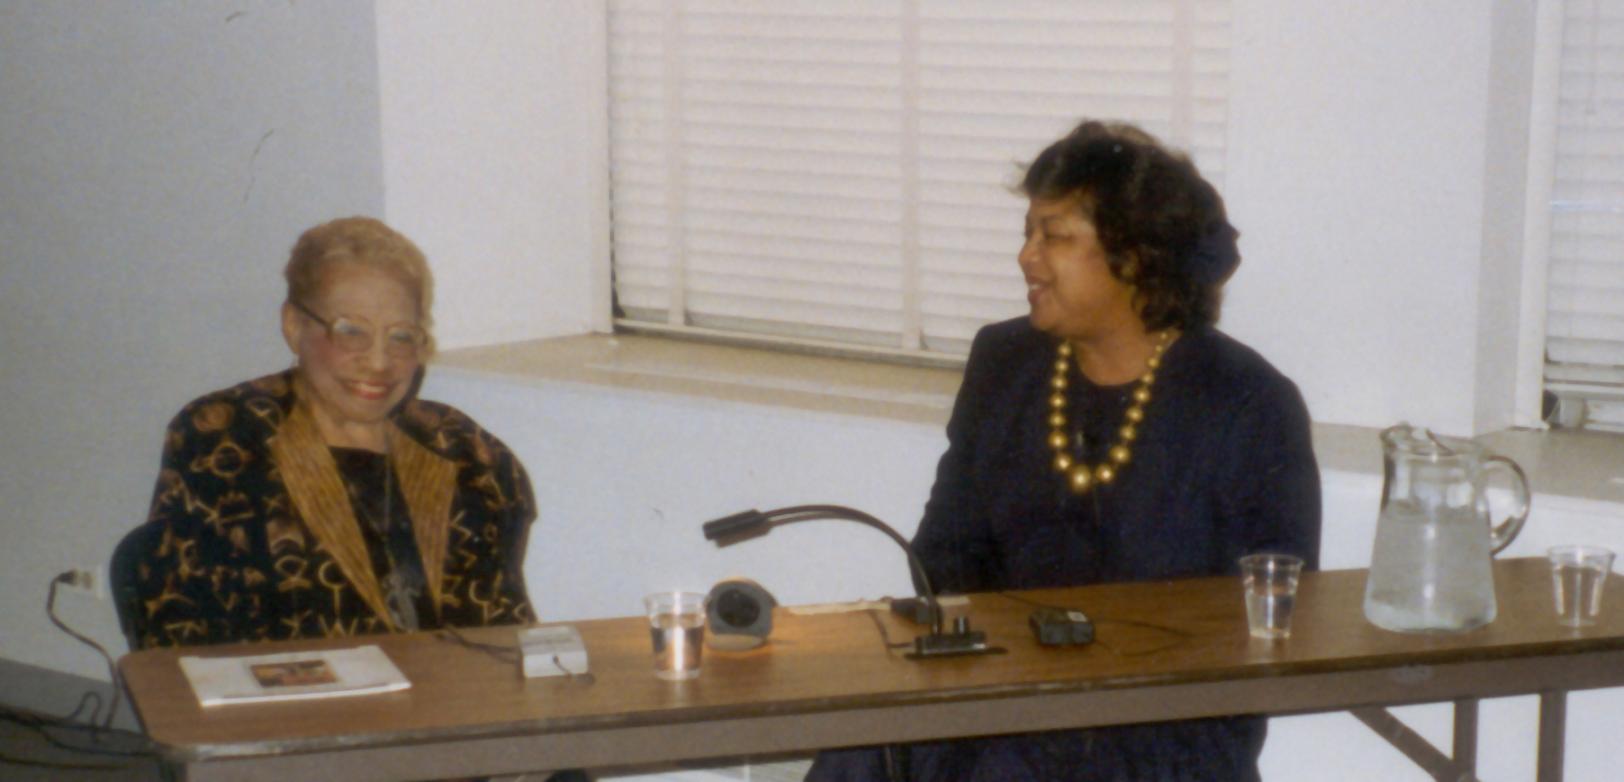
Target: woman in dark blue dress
[(1112, 435)]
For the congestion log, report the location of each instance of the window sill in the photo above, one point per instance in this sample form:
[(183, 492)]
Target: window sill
[(722, 373), (1582, 466)]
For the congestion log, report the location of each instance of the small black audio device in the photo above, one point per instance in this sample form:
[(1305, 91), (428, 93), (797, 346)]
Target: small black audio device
[(740, 614), (1061, 627)]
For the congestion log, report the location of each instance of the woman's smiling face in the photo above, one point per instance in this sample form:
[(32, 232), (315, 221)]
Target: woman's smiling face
[(352, 391), (1069, 284)]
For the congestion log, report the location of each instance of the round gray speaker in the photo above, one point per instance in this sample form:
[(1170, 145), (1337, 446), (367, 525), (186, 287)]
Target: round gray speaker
[(740, 614)]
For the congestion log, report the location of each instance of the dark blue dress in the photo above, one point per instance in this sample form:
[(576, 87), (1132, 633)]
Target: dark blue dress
[(1223, 466)]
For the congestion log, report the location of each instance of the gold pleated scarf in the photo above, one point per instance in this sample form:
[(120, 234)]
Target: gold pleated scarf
[(427, 481)]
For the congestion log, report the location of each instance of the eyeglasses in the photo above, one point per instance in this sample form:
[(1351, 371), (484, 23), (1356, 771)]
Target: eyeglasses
[(355, 335)]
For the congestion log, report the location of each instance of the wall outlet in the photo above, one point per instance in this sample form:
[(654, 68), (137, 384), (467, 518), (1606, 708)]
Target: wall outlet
[(87, 581)]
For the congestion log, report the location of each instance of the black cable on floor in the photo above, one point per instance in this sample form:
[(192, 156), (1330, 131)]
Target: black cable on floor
[(42, 725), (141, 754)]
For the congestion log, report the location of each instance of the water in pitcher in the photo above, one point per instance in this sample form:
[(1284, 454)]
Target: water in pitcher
[(1430, 570)]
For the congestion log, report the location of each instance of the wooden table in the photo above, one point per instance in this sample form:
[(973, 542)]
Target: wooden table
[(1165, 650)]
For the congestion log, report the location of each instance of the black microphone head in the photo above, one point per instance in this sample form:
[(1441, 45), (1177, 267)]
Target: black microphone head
[(737, 527)]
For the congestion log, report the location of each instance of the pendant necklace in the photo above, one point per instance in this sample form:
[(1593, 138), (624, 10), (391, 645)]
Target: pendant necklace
[(397, 590)]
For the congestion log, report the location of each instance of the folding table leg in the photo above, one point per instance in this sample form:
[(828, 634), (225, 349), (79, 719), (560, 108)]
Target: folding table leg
[(1553, 721), (1420, 751), (1465, 754)]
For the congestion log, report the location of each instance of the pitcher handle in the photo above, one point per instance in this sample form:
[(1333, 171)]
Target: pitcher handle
[(1501, 536)]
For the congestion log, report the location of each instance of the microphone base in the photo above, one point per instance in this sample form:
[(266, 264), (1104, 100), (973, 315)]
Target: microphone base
[(962, 644)]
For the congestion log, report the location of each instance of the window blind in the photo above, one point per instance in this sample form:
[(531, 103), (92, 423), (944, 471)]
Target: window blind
[(840, 170), (1584, 344)]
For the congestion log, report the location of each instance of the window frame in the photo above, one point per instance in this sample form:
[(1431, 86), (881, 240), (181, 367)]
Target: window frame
[(1535, 404), (1187, 18)]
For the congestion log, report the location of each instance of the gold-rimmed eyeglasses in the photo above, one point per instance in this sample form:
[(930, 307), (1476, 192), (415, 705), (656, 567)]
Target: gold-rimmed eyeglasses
[(357, 335)]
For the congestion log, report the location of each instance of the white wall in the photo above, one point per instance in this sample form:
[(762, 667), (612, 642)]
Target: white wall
[(495, 154), (156, 163), (1499, 401), (624, 480), (1364, 173)]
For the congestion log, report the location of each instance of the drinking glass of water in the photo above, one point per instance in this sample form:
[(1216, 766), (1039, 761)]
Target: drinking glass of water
[(1577, 575), (677, 628), (1271, 592)]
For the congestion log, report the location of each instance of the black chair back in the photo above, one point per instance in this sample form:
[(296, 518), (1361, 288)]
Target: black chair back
[(122, 579)]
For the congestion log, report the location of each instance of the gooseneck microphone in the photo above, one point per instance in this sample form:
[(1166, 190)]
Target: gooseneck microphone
[(745, 525)]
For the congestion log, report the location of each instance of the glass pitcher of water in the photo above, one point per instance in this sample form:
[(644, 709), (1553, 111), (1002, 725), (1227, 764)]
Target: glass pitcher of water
[(1435, 537)]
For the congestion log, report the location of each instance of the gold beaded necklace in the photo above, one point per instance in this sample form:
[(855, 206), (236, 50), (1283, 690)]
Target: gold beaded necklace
[(1080, 477)]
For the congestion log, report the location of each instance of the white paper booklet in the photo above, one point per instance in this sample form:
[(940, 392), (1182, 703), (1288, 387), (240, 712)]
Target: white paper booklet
[(292, 675)]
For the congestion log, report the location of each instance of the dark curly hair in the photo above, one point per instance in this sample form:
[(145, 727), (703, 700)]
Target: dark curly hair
[(1162, 226)]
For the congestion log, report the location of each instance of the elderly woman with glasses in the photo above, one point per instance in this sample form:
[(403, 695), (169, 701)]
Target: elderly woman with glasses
[(327, 500)]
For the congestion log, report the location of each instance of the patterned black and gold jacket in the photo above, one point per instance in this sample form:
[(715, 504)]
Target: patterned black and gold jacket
[(260, 540)]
